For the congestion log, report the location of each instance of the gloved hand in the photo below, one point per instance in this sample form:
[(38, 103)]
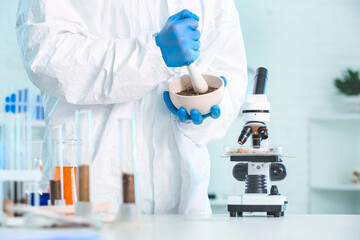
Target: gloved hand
[(179, 39), (195, 116)]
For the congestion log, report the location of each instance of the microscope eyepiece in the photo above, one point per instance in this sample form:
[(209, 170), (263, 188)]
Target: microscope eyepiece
[(244, 135), (260, 80)]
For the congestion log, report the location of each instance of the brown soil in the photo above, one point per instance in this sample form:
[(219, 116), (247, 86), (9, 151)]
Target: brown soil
[(128, 188), (84, 188), (244, 150), (191, 92), (55, 191)]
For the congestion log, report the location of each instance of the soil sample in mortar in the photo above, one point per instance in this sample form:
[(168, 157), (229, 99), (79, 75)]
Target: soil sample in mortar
[(55, 191), (84, 183), (191, 92), (128, 188)]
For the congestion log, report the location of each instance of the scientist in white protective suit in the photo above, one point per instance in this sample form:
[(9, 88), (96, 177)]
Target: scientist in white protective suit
[(116, 58)]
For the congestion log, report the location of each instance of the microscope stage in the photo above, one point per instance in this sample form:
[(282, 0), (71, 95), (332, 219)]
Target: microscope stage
[(271, 204), (256, 158), (256, 199), (250, 154)]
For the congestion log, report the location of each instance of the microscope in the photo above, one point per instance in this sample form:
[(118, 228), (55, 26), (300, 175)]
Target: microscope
[(258, 165)]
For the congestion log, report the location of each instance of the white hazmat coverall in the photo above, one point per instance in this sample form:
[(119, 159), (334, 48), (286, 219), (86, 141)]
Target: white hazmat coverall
[(102, 56)]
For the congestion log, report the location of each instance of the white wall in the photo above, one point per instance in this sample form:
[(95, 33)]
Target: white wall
[(12, 74), (304, 44)]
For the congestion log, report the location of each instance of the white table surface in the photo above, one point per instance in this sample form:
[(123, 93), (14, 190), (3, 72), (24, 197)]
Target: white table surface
[(219, 227)]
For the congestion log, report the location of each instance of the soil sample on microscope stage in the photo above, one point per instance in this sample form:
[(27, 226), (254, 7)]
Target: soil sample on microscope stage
[(128, 183), (55, 191), (84, 183), (191, 92), (244, 150)]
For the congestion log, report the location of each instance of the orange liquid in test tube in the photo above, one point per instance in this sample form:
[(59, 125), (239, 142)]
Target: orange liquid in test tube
[(69, 183)]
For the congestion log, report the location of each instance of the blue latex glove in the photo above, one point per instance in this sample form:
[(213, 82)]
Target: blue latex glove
[(179, 39), (195, 116)]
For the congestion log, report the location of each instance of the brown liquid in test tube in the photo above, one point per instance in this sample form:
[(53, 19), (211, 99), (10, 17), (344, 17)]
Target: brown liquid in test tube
[(68, 182), (128, 188), (55, 191), (84, 183), (18, 187)]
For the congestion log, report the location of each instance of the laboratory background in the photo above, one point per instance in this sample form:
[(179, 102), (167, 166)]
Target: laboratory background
[(306, 46)]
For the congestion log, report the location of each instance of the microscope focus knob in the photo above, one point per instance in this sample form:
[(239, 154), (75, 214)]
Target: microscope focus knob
[(263, 133), (240, 171), (277, 172), (274, 190)]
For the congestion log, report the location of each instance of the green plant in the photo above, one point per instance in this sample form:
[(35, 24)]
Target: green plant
[(349, 84)]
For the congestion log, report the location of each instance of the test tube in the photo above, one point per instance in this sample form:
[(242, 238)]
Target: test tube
[(128, 159), (20, 101), (13, 101), (2, 142), (128, 210), (38, 107), (69, 158), (29, 163), (39, 192), (2, 162), (84, 153), (26, 92), (56, 166), (17, 185), (28, 140), (9, 159), (23, 149)]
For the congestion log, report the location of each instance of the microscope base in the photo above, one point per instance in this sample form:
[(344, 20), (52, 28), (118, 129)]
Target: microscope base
[(271, 204)]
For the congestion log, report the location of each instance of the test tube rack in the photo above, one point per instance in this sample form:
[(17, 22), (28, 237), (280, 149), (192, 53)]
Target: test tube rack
[(19, 176)]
